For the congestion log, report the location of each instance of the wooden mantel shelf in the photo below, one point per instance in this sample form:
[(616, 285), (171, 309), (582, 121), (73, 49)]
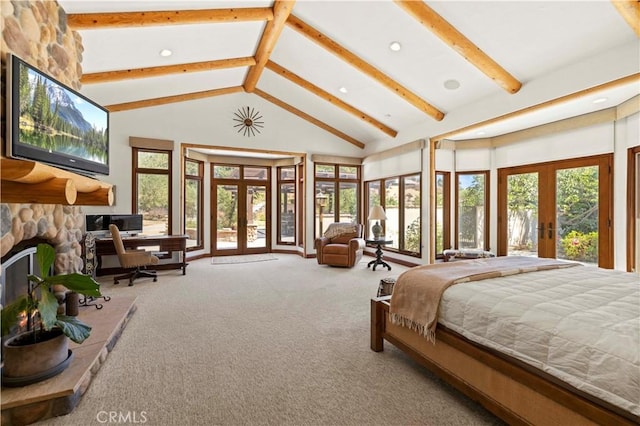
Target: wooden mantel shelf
[(25, 181)]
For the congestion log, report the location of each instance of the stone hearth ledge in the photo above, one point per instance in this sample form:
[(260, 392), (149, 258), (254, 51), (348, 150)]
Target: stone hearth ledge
[(59, 395)]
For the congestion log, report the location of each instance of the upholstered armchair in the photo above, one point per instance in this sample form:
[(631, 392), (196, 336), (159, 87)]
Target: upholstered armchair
[(341, 245), (134, 261)]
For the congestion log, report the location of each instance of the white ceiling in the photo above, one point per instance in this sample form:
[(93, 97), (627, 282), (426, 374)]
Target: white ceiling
[(529, 39)]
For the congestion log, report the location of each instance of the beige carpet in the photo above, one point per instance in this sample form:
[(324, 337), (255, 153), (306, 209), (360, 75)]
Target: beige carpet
[(269, 343), (246, 258)]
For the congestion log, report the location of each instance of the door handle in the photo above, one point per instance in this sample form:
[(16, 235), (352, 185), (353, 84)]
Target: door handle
[(551, 230), (541, 228)]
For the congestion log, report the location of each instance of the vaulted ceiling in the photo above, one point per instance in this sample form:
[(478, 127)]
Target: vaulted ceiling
[(331, 62)]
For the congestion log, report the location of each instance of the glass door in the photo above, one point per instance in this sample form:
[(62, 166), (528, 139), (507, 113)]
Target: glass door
[(557, 210), (576, 222), (242, 215), (225, 222), (255, 218), (522, 214)]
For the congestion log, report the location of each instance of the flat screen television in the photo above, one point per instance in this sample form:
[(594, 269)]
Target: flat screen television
[(52, 123)]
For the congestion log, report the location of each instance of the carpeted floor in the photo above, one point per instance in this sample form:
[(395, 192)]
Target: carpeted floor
[(246, 258), (284, 342)]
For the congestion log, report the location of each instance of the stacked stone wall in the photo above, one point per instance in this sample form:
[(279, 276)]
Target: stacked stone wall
[(37, 32)]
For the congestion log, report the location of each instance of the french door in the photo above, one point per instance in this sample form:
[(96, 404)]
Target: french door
[(562, 209), (242, 217)]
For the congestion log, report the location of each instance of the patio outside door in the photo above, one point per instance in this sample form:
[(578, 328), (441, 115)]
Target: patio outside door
[(242, 216), (557, 210)]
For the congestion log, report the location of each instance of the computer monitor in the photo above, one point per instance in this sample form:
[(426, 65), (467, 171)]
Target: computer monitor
[(128, 224)]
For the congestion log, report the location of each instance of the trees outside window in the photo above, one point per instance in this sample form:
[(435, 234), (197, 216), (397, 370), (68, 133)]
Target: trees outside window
[(443, 222), (472, 229), (337, 195), (400, 197), (559, 209), (286, 205), (193, 195), (152, 189)]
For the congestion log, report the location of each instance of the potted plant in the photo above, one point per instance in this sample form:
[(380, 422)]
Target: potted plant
[(42, 351)]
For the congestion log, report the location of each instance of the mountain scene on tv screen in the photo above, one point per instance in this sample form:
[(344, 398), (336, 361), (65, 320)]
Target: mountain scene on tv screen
[(56, 120)]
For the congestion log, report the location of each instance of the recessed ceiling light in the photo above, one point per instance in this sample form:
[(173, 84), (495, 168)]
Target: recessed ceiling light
[(166, 52), (451, 84), (395, 46), (481, 133), (600, 100), (343, 89)]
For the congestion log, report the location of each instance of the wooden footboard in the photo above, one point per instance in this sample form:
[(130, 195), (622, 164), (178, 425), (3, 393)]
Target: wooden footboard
[(512, 390)]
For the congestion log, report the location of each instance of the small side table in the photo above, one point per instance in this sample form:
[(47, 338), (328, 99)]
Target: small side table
[(378, 260)]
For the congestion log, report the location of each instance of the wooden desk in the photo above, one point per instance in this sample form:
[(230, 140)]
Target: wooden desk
[(167, 244)]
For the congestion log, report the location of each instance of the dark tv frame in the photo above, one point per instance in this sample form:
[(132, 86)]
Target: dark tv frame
[(17, 149)]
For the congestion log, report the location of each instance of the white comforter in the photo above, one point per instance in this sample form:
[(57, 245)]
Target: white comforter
[(579, 324)]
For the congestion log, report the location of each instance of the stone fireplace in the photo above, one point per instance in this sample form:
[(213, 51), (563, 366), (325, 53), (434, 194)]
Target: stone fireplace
[(60, 226), (37, 32)]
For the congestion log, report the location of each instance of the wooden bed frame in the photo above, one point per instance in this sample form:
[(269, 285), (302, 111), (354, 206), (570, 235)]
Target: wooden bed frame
[(510, 389)]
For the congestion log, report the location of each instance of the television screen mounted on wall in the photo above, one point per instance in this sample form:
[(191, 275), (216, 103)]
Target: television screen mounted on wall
[(52, 123)]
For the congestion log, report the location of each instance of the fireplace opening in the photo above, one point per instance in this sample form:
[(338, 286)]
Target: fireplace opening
[(17, 265)]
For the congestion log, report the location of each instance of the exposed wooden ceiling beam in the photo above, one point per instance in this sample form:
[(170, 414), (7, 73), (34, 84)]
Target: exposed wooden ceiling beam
[(107, 76), (630, 11), (172, 99), (461, 44), (272, 31), (294, 78), (363, 66), (541, 106), (94, 21), (308, 118)]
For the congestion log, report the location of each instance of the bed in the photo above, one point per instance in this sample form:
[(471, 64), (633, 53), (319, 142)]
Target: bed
[(535, 341)]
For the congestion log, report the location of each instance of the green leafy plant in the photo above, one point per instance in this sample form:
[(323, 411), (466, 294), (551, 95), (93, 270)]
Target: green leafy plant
[(44, 309), (580, 247)]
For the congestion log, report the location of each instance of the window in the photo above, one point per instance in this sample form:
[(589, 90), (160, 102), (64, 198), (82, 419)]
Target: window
[(301, 208), (152, 190), (286, 205), (472, 210), (443, 214), (336, 195), (193, 194), (400, 197)]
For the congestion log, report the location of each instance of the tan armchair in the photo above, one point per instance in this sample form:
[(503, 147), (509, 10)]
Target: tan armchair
[(134, 260), (341, 245)]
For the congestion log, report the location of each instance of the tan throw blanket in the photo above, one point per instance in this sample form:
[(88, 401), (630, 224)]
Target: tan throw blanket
[(417, 292)]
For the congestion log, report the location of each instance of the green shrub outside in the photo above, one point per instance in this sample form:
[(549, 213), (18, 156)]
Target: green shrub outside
[(580, 247)]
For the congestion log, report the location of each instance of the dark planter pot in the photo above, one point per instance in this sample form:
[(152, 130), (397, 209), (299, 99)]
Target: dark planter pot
[(26, 362)]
